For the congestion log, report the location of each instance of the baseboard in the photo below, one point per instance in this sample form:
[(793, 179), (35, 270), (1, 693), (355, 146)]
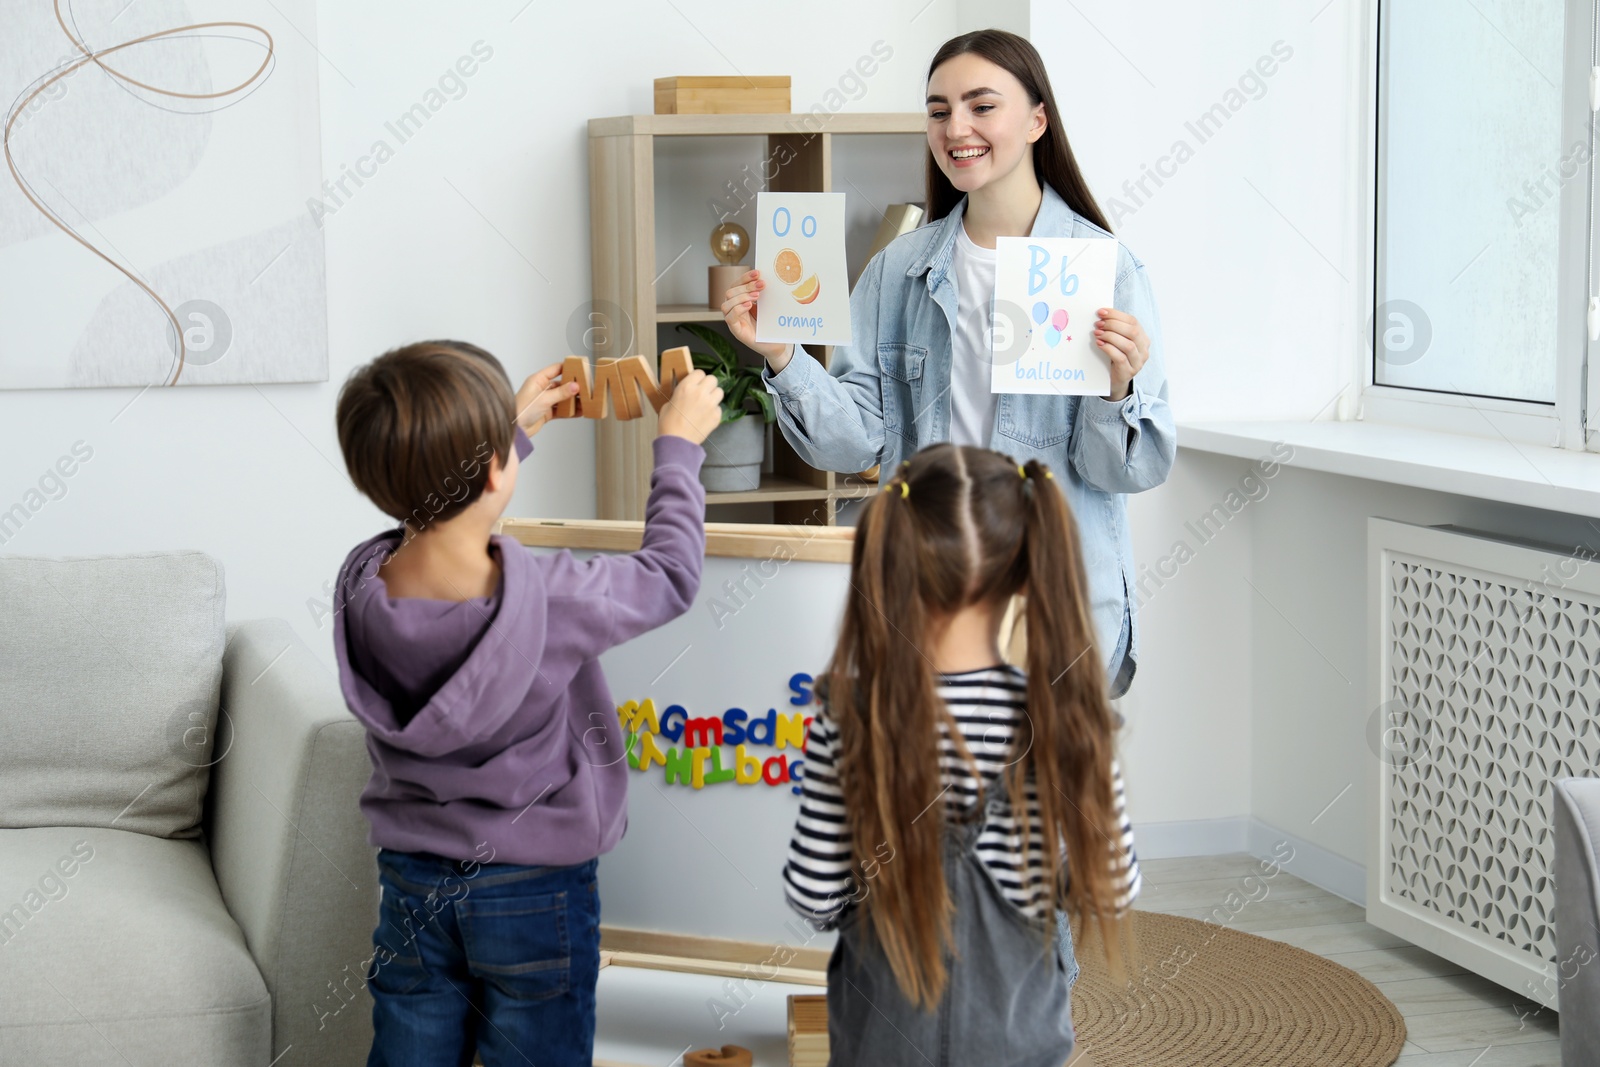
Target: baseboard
[(1242, 833), (1317, 865)]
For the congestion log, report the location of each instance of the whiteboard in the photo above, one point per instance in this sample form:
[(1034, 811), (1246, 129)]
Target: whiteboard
[(709, 862)]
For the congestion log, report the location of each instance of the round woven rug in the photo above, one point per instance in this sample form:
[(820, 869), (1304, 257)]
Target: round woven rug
[(1205, 994)]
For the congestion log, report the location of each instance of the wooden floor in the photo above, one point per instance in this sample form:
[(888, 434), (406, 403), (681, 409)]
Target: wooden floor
[(1453, 1018)]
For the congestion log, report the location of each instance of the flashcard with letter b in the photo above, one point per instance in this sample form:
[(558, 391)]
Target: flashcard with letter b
[(1046, 293), (800, 253)]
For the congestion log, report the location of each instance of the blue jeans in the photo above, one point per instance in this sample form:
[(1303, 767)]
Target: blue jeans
[(1064, 942), (499, 957)]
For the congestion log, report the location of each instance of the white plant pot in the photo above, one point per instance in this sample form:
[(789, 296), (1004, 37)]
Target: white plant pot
[(733, 456)]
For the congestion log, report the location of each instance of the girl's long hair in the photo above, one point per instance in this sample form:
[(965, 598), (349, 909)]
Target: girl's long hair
[(1053, 161), (961, 526)]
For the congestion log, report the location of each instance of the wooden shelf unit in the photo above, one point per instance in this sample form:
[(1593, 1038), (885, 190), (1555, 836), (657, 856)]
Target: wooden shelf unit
[(623, 252)]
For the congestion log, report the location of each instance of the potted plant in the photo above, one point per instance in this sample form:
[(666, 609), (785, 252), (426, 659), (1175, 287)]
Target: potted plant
[(734, 449)]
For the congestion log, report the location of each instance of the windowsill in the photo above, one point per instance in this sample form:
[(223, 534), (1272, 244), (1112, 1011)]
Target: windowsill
[(1487, 468)]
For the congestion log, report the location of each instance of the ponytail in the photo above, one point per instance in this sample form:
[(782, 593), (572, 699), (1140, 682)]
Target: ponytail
[(883, 697), (1069, 724)]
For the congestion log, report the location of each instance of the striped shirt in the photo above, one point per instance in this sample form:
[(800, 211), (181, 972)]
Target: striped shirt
[(987, 705)]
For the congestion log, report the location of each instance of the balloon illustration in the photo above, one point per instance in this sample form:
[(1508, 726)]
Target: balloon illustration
[(1059, 319), (1052, 336), (1040, 311)]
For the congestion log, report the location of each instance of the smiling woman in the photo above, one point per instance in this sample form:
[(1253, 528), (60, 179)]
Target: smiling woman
[(919, 372)]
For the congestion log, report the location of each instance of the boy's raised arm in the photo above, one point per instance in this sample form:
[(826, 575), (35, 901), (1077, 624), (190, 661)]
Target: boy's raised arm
[(650, 587)]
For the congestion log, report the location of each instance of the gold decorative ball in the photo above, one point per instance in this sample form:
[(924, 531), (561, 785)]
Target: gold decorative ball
[(729, 243)]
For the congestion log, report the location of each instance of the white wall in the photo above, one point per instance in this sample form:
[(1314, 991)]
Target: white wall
[(1254, 316), (1010, 15), (1253, 701), (477, 228), (1247, 242), (1186, 745)]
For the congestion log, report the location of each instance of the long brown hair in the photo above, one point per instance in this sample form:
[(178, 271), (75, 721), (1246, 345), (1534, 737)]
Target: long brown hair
[(961, 526), (1053, 160)]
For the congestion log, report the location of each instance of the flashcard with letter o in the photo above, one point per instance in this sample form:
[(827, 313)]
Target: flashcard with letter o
[(800, 253), (1046, 293)]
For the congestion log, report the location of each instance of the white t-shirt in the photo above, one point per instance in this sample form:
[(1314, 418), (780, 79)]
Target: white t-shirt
[(972, 404)]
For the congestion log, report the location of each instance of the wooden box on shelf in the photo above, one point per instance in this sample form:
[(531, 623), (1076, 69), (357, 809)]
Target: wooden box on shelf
[(722, 95), (623, 228)]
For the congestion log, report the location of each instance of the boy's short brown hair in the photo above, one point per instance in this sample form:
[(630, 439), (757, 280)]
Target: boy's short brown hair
[(418, 425)]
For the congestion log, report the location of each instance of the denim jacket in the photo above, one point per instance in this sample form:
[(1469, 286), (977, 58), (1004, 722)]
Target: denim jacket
[(887, 394)]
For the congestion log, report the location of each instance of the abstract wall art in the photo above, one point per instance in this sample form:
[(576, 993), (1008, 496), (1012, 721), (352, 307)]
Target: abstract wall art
[(158, 159)]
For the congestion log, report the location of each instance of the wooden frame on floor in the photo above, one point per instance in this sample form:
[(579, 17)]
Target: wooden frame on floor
[(691, 954), (724, 957)]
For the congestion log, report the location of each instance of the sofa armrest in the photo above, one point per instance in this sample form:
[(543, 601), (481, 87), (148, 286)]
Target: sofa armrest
[(288, 841), (1576, 815)]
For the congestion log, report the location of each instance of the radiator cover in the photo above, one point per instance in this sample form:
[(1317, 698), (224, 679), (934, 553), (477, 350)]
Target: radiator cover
[(1487, 687)]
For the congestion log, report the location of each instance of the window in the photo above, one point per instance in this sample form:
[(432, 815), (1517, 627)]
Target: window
[(1481, 264)]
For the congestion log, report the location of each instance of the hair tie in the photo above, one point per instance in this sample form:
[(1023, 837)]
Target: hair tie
[(905, 489), (1021, 470)]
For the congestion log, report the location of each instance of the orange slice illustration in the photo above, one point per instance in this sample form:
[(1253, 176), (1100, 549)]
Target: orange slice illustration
[(787, 265), (807, 290)]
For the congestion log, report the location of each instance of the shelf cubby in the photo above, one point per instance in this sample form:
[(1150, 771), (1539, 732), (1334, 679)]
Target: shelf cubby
[(623, 195)]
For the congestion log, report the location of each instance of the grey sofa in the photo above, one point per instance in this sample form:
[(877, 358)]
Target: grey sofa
[(184, 874), (1577, 825)]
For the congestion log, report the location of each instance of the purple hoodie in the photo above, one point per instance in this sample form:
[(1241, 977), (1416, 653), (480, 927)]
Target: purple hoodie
[(488, 720)]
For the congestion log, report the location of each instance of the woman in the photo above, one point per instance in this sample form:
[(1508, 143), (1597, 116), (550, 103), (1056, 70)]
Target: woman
[(998, 165)]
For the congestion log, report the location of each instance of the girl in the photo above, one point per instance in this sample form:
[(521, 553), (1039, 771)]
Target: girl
[(946, 952), (998, 165)]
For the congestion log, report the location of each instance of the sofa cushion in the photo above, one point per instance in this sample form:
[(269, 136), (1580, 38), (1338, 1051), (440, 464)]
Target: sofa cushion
[(108, 699), (115, 948), (1575, 814)]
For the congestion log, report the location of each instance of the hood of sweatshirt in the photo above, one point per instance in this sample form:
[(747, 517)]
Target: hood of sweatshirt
[(490, 685)]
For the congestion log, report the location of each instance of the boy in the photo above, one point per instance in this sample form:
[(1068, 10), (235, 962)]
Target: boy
[(498, 775)]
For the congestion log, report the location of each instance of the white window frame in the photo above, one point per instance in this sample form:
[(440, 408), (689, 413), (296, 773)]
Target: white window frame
[(1561, 424)]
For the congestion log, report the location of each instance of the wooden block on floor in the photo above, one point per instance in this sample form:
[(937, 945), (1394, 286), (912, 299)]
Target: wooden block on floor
[(808, 1031)]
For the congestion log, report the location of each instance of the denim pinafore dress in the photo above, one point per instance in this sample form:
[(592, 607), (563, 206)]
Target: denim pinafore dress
[(1006, 1003)]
